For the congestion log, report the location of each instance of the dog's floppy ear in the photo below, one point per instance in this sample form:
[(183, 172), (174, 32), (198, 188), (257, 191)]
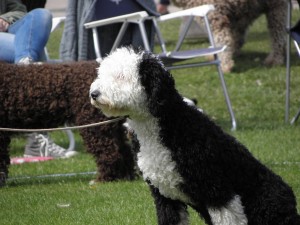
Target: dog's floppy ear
[(157, 81)]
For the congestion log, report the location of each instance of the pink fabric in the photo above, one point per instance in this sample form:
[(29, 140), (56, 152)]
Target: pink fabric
[(20, 160)]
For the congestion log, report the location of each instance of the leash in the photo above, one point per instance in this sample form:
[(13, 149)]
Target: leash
[(52, 175), (62, 128)]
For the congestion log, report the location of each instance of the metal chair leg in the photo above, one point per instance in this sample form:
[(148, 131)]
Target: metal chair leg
[(227, 99), (71, 138), (295, 118), (288, 62)]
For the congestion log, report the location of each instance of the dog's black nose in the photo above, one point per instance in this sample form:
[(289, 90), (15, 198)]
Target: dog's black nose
[(95, 94)]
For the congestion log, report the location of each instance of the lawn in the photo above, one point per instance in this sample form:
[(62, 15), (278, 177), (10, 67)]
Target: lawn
[(258, 98)]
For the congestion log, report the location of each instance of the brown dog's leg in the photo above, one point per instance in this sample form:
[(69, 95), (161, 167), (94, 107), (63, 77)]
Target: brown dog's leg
[(276, 24), (4, 157)]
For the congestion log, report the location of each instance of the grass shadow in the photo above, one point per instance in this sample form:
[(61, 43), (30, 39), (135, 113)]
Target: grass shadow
[(49, 179), (254, 60)]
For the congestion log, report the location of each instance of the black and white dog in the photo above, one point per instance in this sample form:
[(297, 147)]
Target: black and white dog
[(184, 156)]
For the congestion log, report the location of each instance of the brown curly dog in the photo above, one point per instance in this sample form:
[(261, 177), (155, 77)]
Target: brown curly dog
[(232, 18), (48, 95)]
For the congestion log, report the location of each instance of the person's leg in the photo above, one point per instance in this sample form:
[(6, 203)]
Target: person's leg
[(7, 50), (27, 39), (31, 34)]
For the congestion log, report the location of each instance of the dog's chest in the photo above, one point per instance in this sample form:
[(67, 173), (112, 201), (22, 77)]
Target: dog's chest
[(155, 162)]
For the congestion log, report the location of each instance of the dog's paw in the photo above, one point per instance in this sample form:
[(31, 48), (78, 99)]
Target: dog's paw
[(3, 177)]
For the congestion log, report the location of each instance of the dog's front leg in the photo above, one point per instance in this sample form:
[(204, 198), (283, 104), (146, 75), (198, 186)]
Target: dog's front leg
[(169, 212), (276, 16)]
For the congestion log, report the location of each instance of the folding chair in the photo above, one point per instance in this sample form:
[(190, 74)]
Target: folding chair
[(294, 34), (171, 58), (135, 18)]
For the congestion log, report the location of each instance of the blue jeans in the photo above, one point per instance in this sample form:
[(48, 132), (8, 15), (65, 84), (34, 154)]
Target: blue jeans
[(27, 37)]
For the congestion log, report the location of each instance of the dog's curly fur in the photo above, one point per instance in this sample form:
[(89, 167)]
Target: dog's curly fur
[(231, 19), (184, 156), (49, 95)]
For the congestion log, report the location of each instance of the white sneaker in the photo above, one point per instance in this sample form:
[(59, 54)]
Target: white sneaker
[(25, 61), (42, 145), (28, 61)]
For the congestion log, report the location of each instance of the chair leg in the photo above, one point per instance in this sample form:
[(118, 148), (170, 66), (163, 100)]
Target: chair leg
[(227, 99), (71, 140), (295, 118), (287, 88), (288, 62)]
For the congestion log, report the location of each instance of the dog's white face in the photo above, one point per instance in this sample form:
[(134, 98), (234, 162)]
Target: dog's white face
[(117, 90)]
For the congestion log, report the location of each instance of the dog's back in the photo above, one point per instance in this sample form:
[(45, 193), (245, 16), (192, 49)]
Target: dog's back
[(33, 92), (216, 169)]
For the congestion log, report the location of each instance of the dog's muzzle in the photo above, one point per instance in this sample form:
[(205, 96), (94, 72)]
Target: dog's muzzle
[(95, 94)]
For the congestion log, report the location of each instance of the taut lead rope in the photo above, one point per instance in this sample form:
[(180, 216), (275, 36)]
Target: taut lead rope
[(62, 128)]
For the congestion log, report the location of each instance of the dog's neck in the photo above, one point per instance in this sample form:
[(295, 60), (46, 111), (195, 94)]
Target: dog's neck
[(155, 161), (143, 126)]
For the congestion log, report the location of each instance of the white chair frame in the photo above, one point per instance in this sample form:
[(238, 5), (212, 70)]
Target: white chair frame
[(176, 55)]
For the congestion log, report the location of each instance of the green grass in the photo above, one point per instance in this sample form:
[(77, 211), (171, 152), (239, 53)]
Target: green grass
[(258, 98)]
